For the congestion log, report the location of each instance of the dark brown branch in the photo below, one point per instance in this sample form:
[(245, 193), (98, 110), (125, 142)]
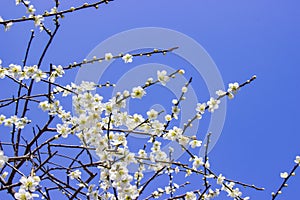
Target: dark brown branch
[(61, 13)]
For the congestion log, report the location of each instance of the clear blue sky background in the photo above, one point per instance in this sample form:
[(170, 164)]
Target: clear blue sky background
[(261, 137)]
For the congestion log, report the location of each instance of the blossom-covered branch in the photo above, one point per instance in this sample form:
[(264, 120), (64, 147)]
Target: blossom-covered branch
[(86, 152)]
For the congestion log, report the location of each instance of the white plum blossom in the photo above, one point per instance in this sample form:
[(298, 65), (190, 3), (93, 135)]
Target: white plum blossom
[(197, 162), (157, 127), (201, 108), (168, 118), (152, 114), (234, 193), (30, 183), (38, 20), (3, 72), (184, 89), (64, 130), (8, 26), (211, 194), (174, 101), (127, 58), (213, 104), (2, 118), (108, 56), (158, 193), (138, 92), (181, 71), (75, 174), (188, 172), (44, 105), (175, 111), (53, 108), (4, 174), (3, 159), (230, 95), (207, 164), (149, 81), (58, 72), (20, 123), (173, 134), (183, 140), (119, 139), (30, 70), (221, 93), (31, 9), (15, 70), (233, 87), (190, 196), (26, 2), (297, 160), (94, 195), (284, 175), (220, 179), (138, 175), (10, 121), (87, 86), (24, 195), (53, 10), (126, 93), (195, 143), (39, 75), (142, 153), (162, 77), (156, 146)]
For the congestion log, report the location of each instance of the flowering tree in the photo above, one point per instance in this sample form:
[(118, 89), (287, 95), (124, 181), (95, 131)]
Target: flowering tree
[(95, 162)]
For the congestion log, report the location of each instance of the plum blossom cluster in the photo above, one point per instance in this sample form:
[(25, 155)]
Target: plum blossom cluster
[(19, 123), (213, 103), (30, 72), (38, 19), (33, 72), (96, 125), (27, 188), (30, 9), (232, 192), (106, 125), (104, 128), (285, 176), (7, 25)]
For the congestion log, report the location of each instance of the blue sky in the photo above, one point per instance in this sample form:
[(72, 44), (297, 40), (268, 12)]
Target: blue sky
[(260, 137)]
